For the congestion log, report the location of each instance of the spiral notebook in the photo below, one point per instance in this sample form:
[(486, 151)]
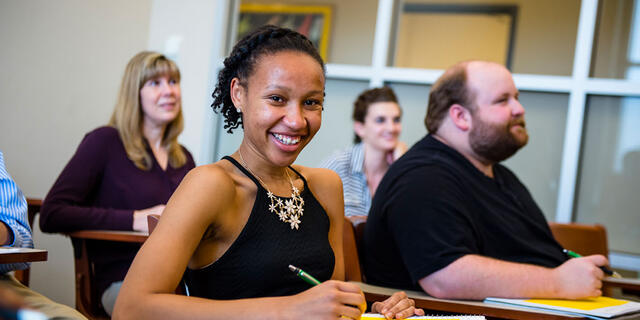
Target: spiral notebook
[(375, 316), (602, 307)]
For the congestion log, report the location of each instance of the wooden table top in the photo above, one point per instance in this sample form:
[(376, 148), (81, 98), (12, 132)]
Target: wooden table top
[(110, 235), (17, 255), (469, 307)]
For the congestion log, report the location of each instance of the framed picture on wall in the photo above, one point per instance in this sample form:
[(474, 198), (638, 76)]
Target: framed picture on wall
[(312, 21)]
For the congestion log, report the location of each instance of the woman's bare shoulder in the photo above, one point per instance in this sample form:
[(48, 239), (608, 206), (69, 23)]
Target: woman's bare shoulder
[(208, 183), (319, 177), (326, 186)]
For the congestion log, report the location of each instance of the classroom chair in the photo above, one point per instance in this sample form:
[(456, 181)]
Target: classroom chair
[(353, 231), (33, 208), (584, 239), (588, 239), (88, 300)]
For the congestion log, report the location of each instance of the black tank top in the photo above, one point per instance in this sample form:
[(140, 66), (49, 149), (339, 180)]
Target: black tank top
[(256, 264)]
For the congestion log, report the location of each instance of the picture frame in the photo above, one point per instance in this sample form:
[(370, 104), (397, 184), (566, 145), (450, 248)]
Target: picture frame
[(313, 21)]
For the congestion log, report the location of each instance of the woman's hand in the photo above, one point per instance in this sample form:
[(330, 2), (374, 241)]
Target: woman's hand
[(140, 217), (397, 152), (328, 300), (398, 306)]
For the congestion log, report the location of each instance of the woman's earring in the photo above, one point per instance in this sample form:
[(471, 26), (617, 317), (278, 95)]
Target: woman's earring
[(238, 110)]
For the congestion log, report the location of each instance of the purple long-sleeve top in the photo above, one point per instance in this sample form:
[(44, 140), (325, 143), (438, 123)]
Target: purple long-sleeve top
[(99, 189)]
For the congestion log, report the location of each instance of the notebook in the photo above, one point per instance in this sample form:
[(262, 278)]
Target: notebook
[(603, 307), (376, 316)]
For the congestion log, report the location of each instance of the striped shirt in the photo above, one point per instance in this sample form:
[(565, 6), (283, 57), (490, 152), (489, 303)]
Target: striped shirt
[(13, 212), (349, 165)]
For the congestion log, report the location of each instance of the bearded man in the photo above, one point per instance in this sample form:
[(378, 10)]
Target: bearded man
[(448, 219)]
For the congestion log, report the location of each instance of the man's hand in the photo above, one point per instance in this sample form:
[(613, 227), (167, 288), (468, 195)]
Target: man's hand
[(580, 277)]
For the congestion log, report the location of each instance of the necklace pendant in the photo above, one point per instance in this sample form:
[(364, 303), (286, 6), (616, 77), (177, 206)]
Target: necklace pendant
[(294, 221), (288, 211)]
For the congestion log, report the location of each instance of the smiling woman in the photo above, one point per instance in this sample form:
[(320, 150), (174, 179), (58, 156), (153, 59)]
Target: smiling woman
[(125, 171), (237, 224), (159, 98), (377, 126)]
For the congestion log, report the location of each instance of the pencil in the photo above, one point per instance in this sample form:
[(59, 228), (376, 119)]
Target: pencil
[(305, 276)]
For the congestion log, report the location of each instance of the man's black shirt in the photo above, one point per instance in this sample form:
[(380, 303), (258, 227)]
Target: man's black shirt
[(433, 207)]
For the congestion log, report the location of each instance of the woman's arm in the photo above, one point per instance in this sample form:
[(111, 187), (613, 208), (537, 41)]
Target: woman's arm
[(66, 208), (327, 186), (148, 288)]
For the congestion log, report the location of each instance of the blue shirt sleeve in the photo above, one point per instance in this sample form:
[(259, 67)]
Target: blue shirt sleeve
[(13, 213)]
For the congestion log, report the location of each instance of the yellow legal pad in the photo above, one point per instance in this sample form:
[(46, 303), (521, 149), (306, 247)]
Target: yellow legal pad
[(583, 304), (603, 307)]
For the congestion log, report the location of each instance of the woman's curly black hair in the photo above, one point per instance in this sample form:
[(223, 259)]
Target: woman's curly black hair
[(239, 64)]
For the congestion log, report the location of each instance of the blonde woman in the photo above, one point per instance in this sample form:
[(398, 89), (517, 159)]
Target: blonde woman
[(125, 171)]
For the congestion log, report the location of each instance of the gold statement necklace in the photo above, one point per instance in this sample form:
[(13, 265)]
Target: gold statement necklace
[(288, 210)]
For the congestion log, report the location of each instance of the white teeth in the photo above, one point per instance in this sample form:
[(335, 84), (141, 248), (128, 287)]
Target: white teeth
[(286, 139)]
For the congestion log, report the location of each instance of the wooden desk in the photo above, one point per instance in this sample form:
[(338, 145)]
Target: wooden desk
[(16, 255), (491, 311), (87, 297), (624, 283), (109, 235)]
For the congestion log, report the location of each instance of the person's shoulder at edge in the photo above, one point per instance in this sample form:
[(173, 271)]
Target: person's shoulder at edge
[(3, 170), (104, 132)]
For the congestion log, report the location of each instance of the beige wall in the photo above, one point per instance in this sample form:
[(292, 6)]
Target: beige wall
[(192, 33), (61, 65)]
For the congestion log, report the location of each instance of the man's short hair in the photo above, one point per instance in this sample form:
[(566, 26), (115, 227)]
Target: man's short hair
[(451, 88)]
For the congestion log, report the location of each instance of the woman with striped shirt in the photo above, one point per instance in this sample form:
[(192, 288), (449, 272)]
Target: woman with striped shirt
[(376, 116)]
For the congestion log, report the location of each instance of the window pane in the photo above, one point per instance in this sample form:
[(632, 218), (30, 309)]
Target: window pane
[(349, 39), (336, 131), (617, 40), (610, 170), (434, 35), (538, 164)]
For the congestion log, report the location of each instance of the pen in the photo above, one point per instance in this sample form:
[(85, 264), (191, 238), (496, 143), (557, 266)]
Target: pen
[(305, 276), (604, 269)]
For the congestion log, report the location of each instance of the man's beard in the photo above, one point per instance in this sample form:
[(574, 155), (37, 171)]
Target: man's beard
[(495, 143)]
